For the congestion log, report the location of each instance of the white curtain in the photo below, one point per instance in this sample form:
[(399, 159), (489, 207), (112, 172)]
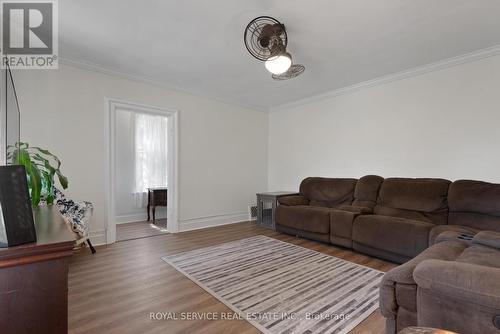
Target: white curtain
[(150, 155)]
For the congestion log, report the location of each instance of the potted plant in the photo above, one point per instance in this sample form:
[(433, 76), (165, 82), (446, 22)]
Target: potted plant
[(41, 169)]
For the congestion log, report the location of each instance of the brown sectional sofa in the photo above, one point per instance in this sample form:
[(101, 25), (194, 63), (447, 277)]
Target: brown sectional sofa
[(448, 280), (388, 218)]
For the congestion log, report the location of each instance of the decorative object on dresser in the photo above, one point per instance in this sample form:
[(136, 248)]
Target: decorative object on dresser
[(156, 197), (16, 217), (34, 278), (266, 207), (77, 216)]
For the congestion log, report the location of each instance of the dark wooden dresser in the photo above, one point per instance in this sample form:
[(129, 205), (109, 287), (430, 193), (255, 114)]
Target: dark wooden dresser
[(34, 279), (156, 197)]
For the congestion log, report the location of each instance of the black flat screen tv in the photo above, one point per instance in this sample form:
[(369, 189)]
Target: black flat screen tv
[(16, 217), (10, 119)]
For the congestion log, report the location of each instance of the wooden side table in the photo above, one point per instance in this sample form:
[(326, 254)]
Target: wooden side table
[(156, 197), (266, 207)]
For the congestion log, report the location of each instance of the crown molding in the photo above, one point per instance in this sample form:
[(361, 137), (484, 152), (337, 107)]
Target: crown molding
[(99, 69), (416, 71)]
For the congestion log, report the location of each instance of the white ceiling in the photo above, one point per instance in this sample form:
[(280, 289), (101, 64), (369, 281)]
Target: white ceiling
[(197, 46)]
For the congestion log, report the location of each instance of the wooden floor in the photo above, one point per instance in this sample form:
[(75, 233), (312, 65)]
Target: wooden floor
[(143, 229), (115, 290)]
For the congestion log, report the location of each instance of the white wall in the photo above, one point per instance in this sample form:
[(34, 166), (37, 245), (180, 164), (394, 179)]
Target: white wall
[(222, 147), (126, 209), (440, 124)]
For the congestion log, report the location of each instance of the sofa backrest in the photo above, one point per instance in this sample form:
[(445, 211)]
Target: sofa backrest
[(475, 204), (366, 191), (419, 199), (328, 192)]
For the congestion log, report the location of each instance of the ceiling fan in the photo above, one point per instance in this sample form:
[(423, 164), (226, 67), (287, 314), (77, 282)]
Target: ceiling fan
[(266, 39)]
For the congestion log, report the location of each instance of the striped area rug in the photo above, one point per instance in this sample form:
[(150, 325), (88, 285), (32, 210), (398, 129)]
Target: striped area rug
[(283, 288)]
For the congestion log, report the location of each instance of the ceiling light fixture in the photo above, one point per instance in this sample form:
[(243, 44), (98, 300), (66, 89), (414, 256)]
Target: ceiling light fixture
[(266, 39), (279, 63)]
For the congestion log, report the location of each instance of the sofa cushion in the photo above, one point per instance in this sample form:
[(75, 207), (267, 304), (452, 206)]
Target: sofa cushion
[(464, 282), (304, 217), (475, 204), (481, 255), (328, 192), (487, 238), (462, 297), (366, 191), (419, 199), (397, 235), (474, 196), (293, 200), (475, 220)]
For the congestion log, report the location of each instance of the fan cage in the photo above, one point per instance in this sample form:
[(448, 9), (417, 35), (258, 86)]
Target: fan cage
[(253, 35)]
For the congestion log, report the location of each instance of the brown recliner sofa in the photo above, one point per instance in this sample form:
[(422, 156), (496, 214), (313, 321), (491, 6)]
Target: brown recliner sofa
[(455, 283)]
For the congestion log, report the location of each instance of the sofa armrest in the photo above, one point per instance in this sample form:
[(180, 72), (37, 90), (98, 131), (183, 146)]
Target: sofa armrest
[(293, 200), (341, 223), (467, 282)]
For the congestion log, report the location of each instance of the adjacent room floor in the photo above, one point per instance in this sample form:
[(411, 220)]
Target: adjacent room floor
[(144, 229), (115, 290)]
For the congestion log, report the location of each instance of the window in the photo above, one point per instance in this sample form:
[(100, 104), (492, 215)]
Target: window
[(150, 154)]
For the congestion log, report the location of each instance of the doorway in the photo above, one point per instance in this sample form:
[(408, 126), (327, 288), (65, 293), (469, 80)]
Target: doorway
[(141, 170)]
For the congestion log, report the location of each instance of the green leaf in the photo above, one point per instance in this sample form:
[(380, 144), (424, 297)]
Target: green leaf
[(33, 174), (36, 185), (63, 180), (48, 187), (40, 170), (46, 152)]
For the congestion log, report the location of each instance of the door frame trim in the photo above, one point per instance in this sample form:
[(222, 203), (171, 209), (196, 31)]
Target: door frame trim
[(111, 106)]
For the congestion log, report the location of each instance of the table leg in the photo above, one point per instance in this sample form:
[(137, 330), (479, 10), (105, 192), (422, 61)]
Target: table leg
[(154, 213), (273, 215), (259, 211), (149, 203)]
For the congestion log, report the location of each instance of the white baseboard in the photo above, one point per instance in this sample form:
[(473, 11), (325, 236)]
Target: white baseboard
[(212, 221), (98, 238), (138, 217)]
